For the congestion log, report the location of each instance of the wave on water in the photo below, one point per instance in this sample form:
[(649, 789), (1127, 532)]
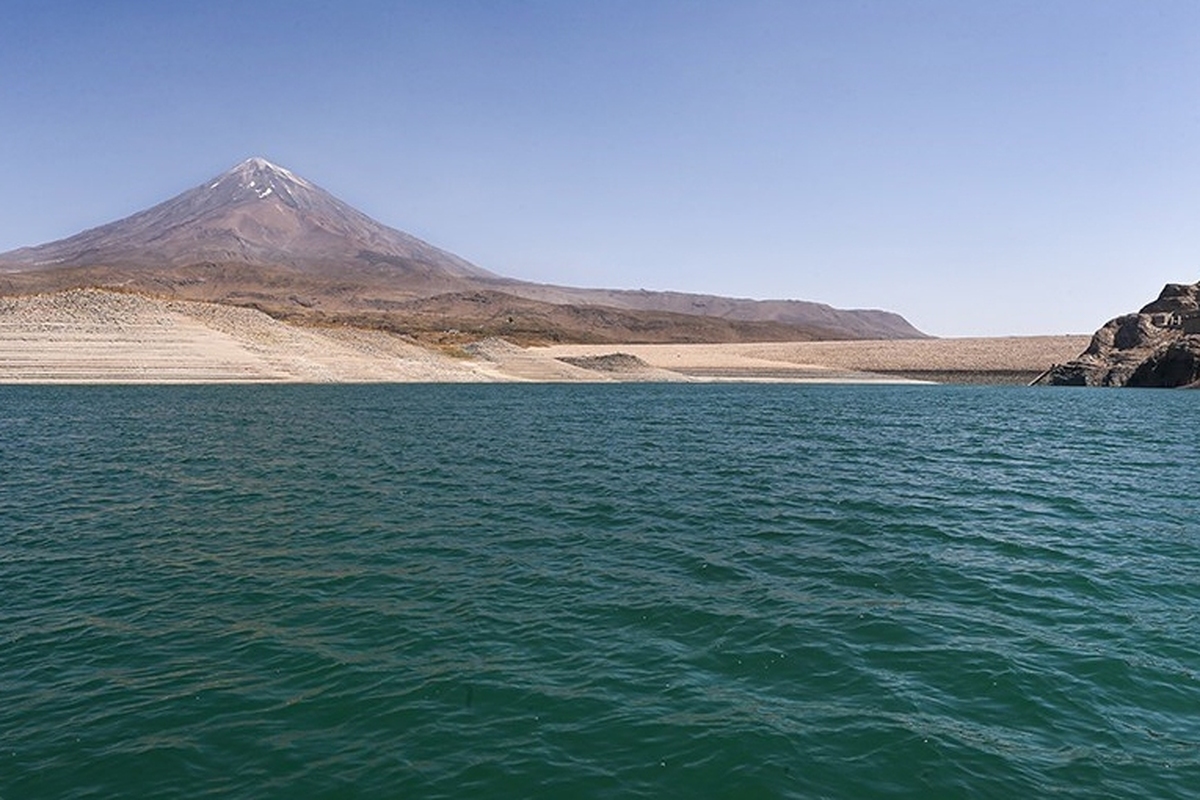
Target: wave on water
[(598, 591)]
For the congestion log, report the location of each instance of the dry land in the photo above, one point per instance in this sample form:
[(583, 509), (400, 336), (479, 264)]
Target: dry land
[(1008, 359), (95, 336)]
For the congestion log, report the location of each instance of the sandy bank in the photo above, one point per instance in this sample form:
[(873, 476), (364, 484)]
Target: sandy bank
[(90, 336), (94, 336), (1009, 359)]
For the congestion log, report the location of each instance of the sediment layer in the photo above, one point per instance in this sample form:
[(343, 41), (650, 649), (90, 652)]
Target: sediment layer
[(99, 336)]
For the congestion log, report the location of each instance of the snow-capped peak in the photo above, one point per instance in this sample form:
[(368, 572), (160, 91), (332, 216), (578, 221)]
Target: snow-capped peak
[(257, 179), (264, 170)]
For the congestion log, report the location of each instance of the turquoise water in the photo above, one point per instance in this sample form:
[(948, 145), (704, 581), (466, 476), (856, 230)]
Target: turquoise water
[(599, 591)]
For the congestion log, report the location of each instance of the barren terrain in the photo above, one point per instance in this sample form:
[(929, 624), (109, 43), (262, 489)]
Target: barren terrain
[(97, 336), (261, 236), (1010, 359)]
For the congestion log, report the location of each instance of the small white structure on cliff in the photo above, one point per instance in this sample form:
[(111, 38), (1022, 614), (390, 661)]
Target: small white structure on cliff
[(1187, 321)]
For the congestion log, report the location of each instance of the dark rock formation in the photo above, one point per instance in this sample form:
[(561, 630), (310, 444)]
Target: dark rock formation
[(1176, 365), (1159, 346), (610, 362)]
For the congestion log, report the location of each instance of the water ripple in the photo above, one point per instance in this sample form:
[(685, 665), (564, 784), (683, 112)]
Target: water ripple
[(604, 591)]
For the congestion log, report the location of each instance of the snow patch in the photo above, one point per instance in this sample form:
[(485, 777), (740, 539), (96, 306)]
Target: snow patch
[(265, 174)]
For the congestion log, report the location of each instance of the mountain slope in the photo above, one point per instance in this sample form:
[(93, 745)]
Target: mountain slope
[(834, 323), (256, 213), (259, 235)]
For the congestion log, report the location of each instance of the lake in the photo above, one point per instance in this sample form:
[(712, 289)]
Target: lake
[(599, 591)]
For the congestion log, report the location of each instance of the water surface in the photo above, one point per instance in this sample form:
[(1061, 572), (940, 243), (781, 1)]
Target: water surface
[(598, 591)]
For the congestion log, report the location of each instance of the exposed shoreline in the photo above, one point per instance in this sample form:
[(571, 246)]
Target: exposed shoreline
[(89, 336)]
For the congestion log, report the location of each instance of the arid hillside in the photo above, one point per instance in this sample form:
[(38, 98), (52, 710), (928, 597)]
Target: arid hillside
[(260, 236)]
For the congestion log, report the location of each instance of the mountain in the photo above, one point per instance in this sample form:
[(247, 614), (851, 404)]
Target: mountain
[(1159, 346), (262, 236), (256, 213)]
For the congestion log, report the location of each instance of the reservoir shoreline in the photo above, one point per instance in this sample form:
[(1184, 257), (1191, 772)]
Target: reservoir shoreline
[(94, 336)]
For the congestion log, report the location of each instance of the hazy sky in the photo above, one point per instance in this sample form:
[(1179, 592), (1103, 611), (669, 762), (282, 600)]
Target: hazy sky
[(980, 167)]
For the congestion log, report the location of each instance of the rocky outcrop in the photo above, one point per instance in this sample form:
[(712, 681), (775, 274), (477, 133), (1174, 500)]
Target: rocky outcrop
[(1158, 346), (1178, 364)]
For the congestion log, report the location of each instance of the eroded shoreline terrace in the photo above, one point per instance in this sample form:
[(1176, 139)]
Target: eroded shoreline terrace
[(97, 336)]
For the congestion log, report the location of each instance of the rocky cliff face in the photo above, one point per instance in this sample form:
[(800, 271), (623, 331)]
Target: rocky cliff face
[(1157, 346)]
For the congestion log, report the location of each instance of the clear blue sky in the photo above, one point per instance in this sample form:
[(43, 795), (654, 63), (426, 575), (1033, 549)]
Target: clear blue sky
[(980, 167)]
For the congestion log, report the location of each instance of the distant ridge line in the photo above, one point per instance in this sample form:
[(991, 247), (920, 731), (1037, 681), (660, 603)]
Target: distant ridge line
[(261, 235)]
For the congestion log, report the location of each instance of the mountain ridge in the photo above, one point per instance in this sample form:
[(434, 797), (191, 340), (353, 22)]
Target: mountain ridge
[(259, 234)]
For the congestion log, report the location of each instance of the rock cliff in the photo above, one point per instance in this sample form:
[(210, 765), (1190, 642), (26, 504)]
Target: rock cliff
[(1157, 346)]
